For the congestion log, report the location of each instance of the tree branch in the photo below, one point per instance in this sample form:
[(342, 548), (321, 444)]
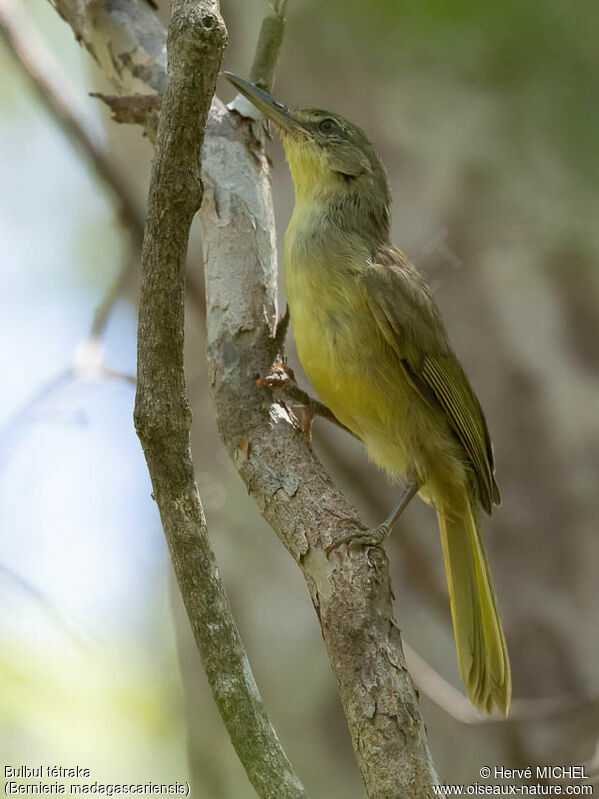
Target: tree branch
[(269, 44), (127, 41), (196, 39)]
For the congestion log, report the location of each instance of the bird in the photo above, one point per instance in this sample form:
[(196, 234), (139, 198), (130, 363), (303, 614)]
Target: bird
[(372, 341)]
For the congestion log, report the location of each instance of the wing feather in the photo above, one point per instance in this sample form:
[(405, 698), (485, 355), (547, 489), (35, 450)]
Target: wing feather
[(409, 321)]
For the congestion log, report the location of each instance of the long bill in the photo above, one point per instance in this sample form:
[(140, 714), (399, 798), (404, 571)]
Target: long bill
[(280, 114)]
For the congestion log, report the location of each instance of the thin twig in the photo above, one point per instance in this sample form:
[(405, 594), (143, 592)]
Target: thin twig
[(87, 362), (17, 423), (269, 44), (56, 616), (115, 291), (455, 704), (38, 64)]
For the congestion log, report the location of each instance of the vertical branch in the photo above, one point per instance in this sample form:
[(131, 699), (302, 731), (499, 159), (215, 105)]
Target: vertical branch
[(196, 39), (269, 44)]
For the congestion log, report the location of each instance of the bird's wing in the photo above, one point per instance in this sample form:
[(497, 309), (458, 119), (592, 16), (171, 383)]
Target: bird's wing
[(409, 321)]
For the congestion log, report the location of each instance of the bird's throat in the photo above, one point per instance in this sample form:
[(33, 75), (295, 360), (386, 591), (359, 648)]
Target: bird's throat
[(329, 203)]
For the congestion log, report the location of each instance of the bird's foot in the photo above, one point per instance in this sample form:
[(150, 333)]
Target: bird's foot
[(281, 378), (281, 382), (375, 537)]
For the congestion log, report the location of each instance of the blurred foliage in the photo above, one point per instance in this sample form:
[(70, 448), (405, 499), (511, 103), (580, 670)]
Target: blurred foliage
[(539, 52)]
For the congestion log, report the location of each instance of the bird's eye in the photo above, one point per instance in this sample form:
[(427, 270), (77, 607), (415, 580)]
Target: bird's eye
[(328, 126)]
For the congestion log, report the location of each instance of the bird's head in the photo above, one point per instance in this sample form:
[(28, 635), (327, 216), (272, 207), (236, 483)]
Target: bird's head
[(327, 155)]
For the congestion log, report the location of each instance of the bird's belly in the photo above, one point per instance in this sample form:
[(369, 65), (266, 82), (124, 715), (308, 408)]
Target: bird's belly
[(333, 366), (350, 368), (328, 345), (362, 382)]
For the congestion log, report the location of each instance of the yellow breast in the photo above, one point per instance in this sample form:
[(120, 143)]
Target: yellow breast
[(338, 340), (333, 330)]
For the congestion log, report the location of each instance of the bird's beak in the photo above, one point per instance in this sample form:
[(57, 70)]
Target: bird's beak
[(278, 113)]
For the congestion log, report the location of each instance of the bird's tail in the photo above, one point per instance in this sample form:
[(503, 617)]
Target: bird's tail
[(482, 651)]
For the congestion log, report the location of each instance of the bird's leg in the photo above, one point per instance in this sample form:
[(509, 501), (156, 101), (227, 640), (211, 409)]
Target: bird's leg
[(410, 490), (377, 535)]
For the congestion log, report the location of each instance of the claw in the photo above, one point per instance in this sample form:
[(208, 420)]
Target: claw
[(374, 537), (280, 375)]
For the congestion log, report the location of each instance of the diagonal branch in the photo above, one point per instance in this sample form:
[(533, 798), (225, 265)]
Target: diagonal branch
[(196, 40), (269, 768)]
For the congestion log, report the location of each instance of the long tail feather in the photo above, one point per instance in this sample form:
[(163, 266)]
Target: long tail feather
[(482, 651)]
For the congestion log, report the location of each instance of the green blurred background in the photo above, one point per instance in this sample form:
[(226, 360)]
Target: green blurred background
[(487, 118)]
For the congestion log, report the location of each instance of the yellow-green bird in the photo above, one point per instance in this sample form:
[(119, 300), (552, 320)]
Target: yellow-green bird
[(371, 339)]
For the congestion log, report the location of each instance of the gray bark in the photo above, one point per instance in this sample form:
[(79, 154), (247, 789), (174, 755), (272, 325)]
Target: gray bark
[(196, 39)]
